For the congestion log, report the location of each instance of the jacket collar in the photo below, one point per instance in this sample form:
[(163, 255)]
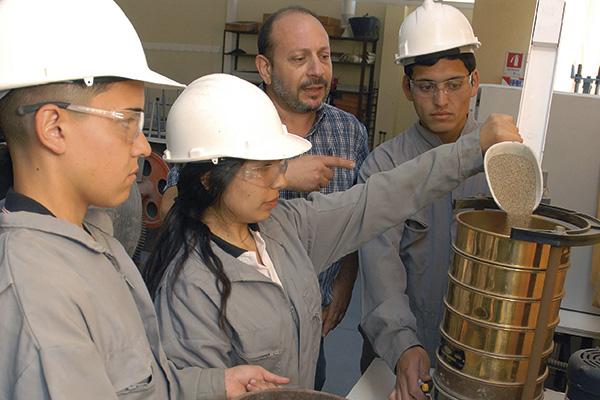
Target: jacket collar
[(236, 270), (53, 226), (229, 248), (19, 202)]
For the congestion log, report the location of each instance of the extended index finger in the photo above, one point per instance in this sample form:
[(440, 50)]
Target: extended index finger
[(332, 161)]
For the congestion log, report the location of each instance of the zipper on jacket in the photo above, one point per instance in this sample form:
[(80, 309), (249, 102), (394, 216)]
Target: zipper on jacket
[(113, 261), (127, 281), (264, 356), (136, 387)]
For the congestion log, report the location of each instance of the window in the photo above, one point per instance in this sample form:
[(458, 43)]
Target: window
[(579, 43)]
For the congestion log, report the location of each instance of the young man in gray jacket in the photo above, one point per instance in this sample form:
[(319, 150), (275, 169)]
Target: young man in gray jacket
[(77, 320), (404, 272)]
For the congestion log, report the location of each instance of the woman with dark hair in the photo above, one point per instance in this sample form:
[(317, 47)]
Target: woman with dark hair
[(234, 273)]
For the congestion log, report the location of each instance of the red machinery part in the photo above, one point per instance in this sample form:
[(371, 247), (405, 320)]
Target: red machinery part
[(152, 187)]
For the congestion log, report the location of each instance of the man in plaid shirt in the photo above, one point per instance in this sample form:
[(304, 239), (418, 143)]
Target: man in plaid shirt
[(295, 65)]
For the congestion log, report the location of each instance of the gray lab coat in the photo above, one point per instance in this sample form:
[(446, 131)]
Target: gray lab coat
[(77, 320), (280, 328), (404, 271)]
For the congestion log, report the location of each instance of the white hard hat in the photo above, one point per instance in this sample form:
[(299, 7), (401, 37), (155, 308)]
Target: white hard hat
[(46, 41), (220, 115), (431, 28)]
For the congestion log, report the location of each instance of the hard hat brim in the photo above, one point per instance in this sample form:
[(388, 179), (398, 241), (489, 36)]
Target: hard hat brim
[(152, 78), (439, 52), (282, 147), (149, 77), (286, 146)]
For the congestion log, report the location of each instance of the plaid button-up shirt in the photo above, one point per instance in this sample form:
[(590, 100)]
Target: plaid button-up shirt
[(335, 133)]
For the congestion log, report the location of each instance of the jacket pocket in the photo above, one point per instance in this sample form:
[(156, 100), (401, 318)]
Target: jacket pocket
[(138, 390), (130, 371), (416, 225), (414, 250), (259, 347)]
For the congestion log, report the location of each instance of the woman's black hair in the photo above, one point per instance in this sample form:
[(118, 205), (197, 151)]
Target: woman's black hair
[(200, 186), (6, 171)]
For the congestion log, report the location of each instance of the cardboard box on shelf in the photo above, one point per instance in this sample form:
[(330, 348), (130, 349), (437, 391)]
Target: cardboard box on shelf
[(329, 21), (335, 31), (242, 26)]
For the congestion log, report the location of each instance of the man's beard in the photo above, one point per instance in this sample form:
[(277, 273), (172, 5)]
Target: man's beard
[(292, 101)]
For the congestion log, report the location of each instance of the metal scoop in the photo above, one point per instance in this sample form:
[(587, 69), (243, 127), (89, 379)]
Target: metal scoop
[(527, 155)]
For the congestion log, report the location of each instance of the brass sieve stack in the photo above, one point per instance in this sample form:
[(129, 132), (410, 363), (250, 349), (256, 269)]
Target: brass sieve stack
[(504, 292)]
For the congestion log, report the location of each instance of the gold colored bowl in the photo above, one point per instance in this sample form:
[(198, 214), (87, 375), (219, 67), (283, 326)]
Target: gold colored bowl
[(289, 394), (503, 312), (491, 339), (485, 235)]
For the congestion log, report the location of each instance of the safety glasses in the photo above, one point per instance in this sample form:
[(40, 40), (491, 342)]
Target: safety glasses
[(264, 175), (133, 120), (427, 88)]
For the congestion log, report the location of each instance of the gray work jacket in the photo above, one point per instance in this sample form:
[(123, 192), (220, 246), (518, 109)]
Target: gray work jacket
[(278, 327), (404, 271), (77, 320)]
